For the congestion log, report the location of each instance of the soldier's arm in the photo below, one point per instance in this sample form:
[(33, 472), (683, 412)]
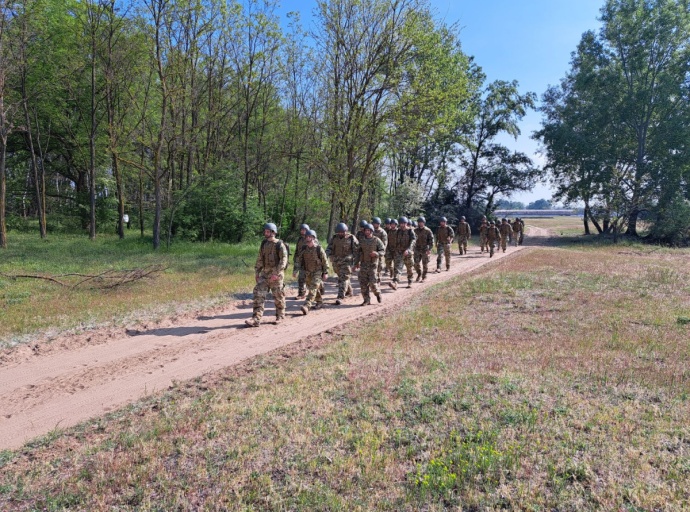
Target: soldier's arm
[(451, 234), (259, 265), (282, 265), (413, 240), (430, 244), (329, 249), (357, 253), (380, 248), (324, 260)]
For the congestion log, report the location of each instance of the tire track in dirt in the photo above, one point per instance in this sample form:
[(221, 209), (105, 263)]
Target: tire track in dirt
[(66, 387)]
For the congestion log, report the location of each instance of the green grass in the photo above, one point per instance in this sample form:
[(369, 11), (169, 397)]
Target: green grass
[(556, 379), (196, 276)]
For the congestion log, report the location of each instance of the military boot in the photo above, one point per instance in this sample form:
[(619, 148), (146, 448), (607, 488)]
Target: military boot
[(279, 319), (253, 321), (438, 270), (305, 310), (378, 297), (366, 302), (419, 277), (409, 283), (393, 284)]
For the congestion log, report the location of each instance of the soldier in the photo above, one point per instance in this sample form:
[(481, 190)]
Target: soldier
[(464, 234), (367, 257), (405, 239), (493, 236), (390, 248), (444, 239), (505, 230), (483, 229), (522, 231), (269, 268), (360, 231), (383, 236), (517, 230), (301, 242), (314, 263), (422, 248), (341, 251)]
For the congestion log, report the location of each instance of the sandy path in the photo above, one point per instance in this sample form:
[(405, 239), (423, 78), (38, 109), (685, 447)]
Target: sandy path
[(65, 387)]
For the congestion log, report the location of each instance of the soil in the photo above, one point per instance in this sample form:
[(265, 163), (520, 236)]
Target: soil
[(62, 382)]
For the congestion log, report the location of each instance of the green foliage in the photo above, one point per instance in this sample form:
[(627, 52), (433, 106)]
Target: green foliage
[(672, 223)]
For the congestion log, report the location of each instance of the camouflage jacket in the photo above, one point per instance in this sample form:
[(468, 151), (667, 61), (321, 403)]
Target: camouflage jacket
[(365, 248), (382, 235), (493, 233), (313, 259), (517, 226), (505, 230), (301, 243), (464, 229), (342, 248), (444, 235), (404, 240), (272, 258), (425, 239)]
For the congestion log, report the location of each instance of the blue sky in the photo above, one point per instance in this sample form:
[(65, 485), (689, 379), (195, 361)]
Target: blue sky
[(528, 41)]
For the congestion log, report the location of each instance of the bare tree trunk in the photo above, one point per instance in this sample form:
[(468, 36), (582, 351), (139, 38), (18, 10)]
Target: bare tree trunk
[(3, 183)]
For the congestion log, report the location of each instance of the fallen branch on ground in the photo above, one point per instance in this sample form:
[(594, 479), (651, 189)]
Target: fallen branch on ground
[(106, 280)]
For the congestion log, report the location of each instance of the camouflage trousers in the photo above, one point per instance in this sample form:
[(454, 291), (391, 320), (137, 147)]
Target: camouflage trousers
[(522, 237), (503, 243), (491, 245), (368, 280), (343, 268), (462, 244), (401, 260), (263, 285), (301, 283), (443, 250), (483, 242), (421, 262), (390, 259), (314, 285), (516, 237)]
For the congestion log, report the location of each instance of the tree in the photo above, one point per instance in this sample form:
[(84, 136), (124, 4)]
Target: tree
[(539, 204), (490, 168)]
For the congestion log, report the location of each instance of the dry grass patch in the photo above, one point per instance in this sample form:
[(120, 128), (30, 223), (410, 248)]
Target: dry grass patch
[(555, 379)]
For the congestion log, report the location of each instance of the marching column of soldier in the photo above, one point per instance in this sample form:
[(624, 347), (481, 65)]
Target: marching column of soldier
[(400, 246)]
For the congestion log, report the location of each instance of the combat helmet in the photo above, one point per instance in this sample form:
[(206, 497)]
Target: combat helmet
[(271, 226), (341, 228)]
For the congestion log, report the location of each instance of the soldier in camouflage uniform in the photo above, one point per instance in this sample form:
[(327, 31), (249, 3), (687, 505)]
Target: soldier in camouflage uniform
[(505, 230), (522, 231), (404, 243), (314, 262), (483, 229), (383, 236), (301, 279), (493, 237), (517, 231), (422, 248), (341, 251), (464, 234), (390, 249), (367, 257), (444, 239), (269, 268)]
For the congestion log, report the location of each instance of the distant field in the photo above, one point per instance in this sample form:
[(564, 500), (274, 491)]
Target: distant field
[(558, 379), (202, 274)]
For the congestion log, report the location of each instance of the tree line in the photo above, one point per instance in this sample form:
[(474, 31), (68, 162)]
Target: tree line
[(201, 119), (616, 129)]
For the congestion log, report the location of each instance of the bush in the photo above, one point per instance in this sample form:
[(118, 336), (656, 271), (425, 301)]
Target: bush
[(672, 223)]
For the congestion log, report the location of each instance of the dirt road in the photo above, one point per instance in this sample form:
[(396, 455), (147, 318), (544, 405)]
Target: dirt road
[(73, 382)]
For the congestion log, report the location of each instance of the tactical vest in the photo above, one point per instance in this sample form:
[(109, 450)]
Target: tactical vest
[(483, 229), (343, 247), (369, 245), (403, 240), (463, 229), (517, 226), (505, 229), (270, 255), (311, 256), (493, 233), (444, 235), (301, 244), (425, 238)]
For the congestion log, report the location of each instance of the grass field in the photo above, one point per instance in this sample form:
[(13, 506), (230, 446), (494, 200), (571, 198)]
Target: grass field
[(558, 379), (197, 276)]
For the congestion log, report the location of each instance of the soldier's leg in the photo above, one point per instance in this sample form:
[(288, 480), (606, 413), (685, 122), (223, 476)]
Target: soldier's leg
[(409, 263), (311, 289), (301, 283), (343, 278), (374, 286), (503, 244), (425, 265), (363, 278), (439, 256), (446, 253), (417, 261), (318, 298), (277, 289), (260, 292)]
